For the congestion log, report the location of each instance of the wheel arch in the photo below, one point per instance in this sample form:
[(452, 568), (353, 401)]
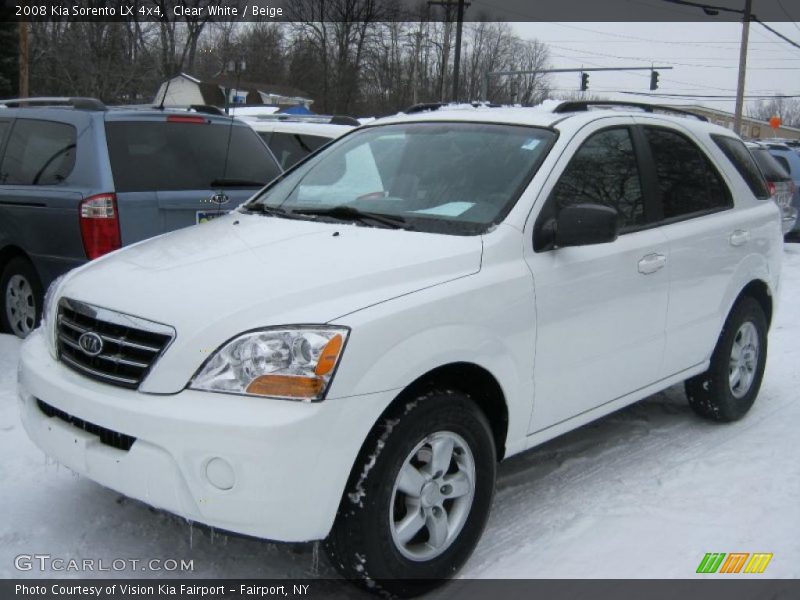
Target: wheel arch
[(760, 291), (471, 379), (9, 252)]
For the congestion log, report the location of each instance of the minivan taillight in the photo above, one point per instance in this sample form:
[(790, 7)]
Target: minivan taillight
[(99, 225), (772, 188)]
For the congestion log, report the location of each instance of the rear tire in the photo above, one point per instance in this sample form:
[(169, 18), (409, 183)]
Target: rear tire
[(728, 389), (418, 497), (20, 298)]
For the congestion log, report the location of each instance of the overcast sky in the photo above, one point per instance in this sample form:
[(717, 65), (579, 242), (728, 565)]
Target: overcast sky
[(704, 57)]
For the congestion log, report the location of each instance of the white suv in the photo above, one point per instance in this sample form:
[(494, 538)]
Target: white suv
[(348, 356)]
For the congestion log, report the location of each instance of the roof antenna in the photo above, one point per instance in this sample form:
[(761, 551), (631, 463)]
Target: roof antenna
[(166, 91)]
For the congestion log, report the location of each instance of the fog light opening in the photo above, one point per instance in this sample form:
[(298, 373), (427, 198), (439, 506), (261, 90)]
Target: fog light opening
[(220, 474)]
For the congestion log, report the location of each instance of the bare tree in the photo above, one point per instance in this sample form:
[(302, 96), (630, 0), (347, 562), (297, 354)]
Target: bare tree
[(787, 109)]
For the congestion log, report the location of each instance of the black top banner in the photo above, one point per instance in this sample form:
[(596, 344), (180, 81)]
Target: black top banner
[(399, 10)]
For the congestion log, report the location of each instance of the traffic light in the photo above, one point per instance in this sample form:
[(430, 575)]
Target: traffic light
[(653, 80), (584, 82)]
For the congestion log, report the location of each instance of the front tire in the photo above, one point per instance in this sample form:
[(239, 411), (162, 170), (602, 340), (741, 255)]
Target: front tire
[(419, 496), (21, 298), (728, 389)]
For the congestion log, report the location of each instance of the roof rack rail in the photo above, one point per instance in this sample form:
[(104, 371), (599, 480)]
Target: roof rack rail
[(584, 105), (344, 120), (76, 102), (430, 106)]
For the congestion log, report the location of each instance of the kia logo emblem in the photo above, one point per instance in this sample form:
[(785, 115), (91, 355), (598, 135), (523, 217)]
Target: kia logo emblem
[(91, 343), (219, 198)]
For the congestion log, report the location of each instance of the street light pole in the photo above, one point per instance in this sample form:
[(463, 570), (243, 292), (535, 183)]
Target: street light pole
[(737, 120)]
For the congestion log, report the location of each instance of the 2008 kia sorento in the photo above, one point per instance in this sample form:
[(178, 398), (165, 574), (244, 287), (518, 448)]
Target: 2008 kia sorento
[(348, 355)]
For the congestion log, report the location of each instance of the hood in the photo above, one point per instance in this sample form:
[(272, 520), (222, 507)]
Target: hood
[(240, 272)]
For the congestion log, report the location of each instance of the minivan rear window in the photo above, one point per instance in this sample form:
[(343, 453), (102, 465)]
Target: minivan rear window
[(770, 167), (160, 155)]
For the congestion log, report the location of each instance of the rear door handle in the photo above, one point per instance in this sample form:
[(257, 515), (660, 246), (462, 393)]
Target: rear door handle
[(739, 237), (652, 263)]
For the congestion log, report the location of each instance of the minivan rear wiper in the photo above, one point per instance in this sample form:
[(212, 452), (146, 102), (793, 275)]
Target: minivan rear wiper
[(350, 213), (236, 183)]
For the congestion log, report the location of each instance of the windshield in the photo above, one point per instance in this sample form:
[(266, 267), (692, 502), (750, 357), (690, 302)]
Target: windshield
[(440, 177)]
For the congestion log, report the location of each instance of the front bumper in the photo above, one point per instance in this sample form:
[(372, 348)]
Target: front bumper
[(267, 468)]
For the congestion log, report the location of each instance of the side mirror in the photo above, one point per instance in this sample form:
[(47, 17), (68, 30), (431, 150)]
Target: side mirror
[(585, 224)]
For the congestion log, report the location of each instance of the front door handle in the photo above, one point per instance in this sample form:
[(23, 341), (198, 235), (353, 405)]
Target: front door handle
[(652, 263), (739, 237)]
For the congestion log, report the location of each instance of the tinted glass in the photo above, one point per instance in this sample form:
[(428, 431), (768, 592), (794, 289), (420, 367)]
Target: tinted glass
[(4, 125), (744, 162), (290, 148), (445, 177), (158, 155), (38, 153), (688, 181), (769, 166), (604, 171), (784, 163)]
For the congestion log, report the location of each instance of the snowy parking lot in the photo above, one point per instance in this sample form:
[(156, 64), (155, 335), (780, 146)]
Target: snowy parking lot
[(644, 492)]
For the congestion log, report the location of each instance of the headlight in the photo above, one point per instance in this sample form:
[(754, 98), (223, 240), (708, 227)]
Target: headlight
[(49, 297), (290, 363)]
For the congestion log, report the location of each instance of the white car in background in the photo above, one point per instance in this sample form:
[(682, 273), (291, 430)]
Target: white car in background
[(371, 333), (292, 138)]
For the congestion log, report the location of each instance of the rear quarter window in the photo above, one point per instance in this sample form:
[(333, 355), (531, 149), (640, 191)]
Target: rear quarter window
[(161, 155), (38, 153), (744, 162)]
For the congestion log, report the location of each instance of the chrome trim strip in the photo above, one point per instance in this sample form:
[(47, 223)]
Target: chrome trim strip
[(115, 359), (79, 367), (110, 316)]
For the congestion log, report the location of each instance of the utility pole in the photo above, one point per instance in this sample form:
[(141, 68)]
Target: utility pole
[(457, 61), (23, 59), (737, 119), (461, 5)]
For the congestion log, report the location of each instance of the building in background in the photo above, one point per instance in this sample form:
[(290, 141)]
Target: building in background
[(184, 90), (752, 128)]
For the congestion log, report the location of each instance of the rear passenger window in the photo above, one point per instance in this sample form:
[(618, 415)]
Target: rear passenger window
[(741, 158), (38, 153), (604, 171), (689, 183)]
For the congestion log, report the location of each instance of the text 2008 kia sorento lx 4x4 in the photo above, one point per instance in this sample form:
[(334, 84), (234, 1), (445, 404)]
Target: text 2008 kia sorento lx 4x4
[(348, 355)]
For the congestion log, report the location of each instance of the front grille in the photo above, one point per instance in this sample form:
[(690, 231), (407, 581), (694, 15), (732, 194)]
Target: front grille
[(130, 345), (107, 436)]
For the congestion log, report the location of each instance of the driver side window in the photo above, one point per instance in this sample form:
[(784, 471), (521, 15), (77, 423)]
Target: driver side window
[(603, 171)]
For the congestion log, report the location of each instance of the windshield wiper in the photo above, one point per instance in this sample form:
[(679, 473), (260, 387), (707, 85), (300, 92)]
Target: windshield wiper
[(350, 213), (235, 183), (272, 211)]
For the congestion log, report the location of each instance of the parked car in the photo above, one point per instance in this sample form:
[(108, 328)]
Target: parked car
[(292, 138), (349, 354), (781, 186), (78, 180), (789, 159)]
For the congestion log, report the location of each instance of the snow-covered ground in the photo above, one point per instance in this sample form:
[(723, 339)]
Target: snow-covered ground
[(645, 492)]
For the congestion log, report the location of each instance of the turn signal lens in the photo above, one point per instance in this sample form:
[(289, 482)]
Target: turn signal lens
[(286, 386), (329, 356)]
